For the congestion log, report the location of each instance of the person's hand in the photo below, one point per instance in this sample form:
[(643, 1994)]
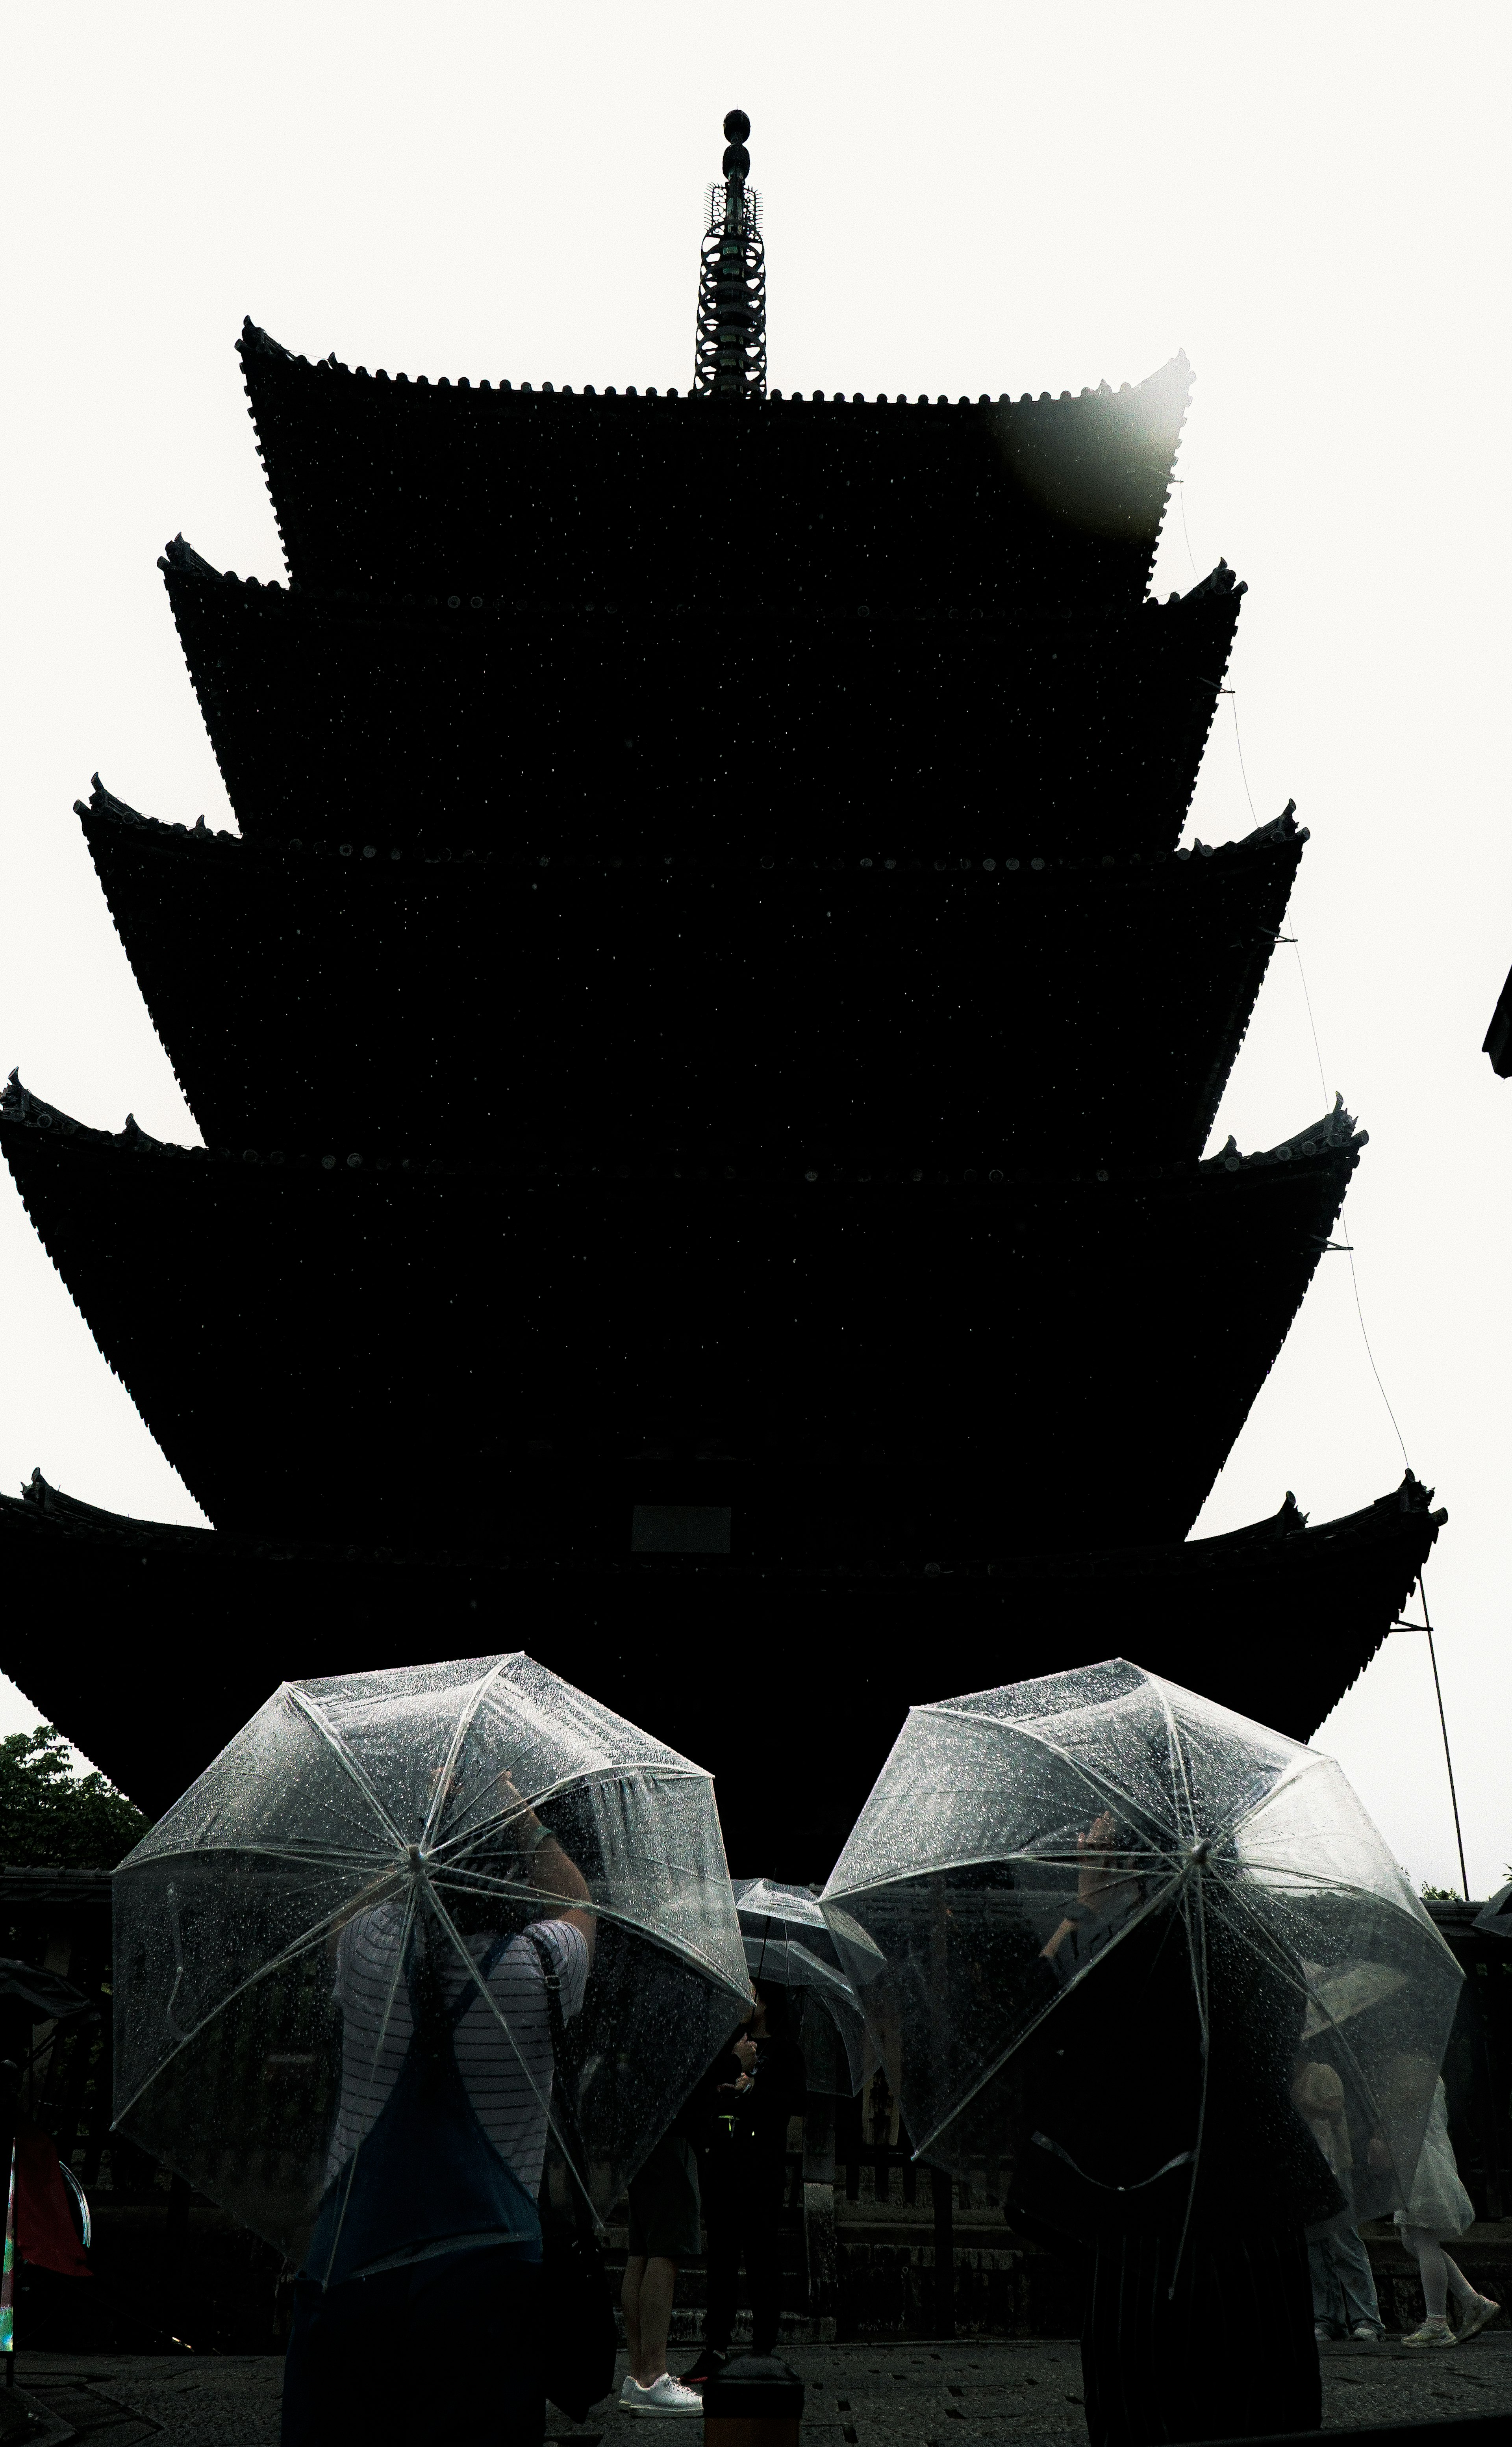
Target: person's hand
[(512, 1801), (1378, 2153), (745, 2054), (1102, 1872)]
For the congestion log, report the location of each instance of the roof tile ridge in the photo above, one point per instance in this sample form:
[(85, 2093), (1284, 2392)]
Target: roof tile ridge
[(1283, 827), (104, 803), (1335, 1133), (105, 808), (179, 559), (178, 554), (18, 1105), (211, 726), (253, 341)]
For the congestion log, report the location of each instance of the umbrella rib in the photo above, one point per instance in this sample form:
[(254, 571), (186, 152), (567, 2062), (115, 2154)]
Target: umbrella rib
[(405, 1924), (327, 1731), (460, 1732), (1178, 1759), (312, 1856), (1351, 1887), (1197, 1948)]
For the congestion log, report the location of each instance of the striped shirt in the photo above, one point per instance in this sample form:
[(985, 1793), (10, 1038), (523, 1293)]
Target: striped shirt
[(507, 2071)]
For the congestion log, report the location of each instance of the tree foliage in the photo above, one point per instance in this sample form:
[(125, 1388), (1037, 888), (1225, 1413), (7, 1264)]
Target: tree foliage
[(52, 1819)]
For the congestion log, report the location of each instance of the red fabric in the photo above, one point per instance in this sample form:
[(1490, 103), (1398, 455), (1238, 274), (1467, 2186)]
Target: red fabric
[(46, 2234)]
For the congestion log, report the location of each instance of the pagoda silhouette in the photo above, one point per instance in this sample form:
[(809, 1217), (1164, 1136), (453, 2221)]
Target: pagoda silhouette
[(704, 1041)]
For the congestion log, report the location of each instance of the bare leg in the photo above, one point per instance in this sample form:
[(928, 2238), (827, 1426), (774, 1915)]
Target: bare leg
[(657, 2284), (629, 2304)]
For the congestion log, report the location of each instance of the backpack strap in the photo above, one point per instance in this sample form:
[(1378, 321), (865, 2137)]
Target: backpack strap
[(571, 2132), (486, 1965)]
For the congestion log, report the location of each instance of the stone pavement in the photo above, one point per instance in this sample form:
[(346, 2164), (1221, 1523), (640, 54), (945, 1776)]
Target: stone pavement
[(995, 2393)]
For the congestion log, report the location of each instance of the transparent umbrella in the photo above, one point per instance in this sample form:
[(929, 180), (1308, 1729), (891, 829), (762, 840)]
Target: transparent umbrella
[(349, 1874), (788, 1942), (1107, 1934)]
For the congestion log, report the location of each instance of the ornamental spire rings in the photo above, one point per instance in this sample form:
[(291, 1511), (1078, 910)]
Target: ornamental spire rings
[(729, 359)]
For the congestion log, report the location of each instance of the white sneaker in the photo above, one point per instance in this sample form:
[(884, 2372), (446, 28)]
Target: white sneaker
[(1364, 2334), (1479, 2315), (1432, 2332), (625, 2392), (665, 2394)]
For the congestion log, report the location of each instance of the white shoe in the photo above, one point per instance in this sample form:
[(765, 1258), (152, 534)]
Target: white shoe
[(1432, 2332), (625, 2392), (1365, 2335), (665, 2394), (1322, 2332), (1479, 2315)]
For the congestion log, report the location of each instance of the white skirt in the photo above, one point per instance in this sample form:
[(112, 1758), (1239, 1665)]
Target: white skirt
[(1438, 2202)]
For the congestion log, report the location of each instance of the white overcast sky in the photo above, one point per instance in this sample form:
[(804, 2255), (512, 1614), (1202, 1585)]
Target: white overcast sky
[(1309, 198)]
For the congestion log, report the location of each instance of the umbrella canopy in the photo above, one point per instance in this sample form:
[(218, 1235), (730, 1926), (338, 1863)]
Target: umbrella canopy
[(397, 1812), (788, 1942), (1107, 1934)]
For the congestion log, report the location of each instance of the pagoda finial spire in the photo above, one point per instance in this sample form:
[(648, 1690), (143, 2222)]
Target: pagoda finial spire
[(730, 355)]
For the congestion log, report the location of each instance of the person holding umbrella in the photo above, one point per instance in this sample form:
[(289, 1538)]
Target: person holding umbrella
[(1093, 1914), (788, 1946), (747, 2101), (438, 2145), (354, 2004)]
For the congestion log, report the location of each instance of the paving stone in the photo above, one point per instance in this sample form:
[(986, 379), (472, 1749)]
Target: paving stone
[(1015, 2392)]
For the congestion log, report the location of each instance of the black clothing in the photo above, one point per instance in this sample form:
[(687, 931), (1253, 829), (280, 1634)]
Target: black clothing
[(1123, 2135), (664, 2202), (755, 2119), (1229, 2356), (1109, 2094), (743, 2157), (743, 2204), (449, 2348)]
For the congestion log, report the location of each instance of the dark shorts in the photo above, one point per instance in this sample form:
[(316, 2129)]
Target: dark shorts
[(664, 2203)]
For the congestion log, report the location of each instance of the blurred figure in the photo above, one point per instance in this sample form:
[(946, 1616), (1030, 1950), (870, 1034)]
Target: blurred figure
[(1440, 2210), (1344, 2299), (663, 2231), (757, 2089)]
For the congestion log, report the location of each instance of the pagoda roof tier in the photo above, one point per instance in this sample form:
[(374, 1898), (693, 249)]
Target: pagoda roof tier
[(399, 996), (456, 488), (860, 1361), (621, 725), (90, 1595)]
